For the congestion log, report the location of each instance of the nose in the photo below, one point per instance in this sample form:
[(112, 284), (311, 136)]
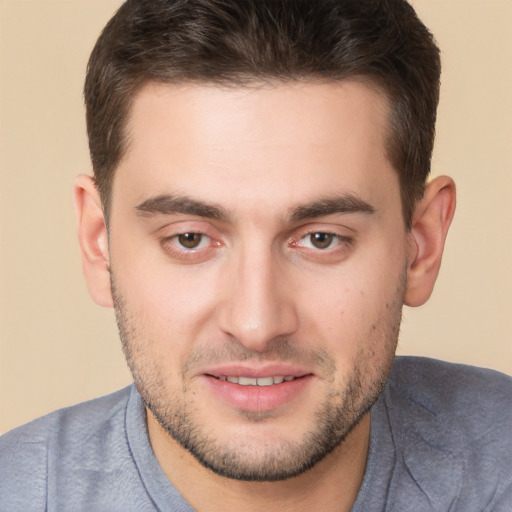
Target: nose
[(258, 304)]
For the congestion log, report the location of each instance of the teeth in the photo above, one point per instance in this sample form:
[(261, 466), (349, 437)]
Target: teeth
[(247, 381), (262, 381)]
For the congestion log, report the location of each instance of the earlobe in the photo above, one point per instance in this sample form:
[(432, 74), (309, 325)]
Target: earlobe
[(93, 238), (432, 218)]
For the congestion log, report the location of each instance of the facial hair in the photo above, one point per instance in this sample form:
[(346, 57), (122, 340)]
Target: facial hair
[(340, 410)]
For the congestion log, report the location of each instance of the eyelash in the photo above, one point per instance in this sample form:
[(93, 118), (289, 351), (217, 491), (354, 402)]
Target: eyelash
[(198, 254), (172, 245), (340, 239)]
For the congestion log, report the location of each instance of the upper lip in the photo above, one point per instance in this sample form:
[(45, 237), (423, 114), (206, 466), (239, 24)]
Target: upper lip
[(241, 370)]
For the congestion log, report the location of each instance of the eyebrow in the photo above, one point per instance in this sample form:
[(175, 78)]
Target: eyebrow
[(166, 204), (344, 204)]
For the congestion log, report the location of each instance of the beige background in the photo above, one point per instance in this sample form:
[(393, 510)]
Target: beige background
[(57, 347)]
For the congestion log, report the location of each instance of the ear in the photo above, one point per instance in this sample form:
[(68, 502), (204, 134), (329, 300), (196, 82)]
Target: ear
[(431, 220), (93, 238)]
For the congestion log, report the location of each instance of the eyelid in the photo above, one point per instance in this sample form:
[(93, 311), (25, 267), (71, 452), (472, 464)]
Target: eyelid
[(336, 230), (182, 226), (341, 238), (205, 239), (168, 238), (335, 236), (335, 254)]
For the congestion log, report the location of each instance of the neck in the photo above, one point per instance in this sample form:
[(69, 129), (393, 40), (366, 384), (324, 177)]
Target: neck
[(331, 485)]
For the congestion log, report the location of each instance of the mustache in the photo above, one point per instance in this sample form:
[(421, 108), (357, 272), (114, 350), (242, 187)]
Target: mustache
[(280, 350)]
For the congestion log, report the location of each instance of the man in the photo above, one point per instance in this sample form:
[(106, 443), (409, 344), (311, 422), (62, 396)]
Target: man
[(258, 217)]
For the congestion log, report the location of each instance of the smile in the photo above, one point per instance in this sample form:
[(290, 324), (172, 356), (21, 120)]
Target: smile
[(260, 381), (245, 390)]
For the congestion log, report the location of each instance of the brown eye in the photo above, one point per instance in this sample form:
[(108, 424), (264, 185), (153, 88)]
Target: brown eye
[(321, 240), (190, 240)]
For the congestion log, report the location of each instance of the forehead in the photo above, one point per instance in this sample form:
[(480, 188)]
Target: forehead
[(281, 141), (310, 109)]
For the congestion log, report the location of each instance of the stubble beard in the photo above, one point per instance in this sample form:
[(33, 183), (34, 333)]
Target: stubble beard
[(338, 414)]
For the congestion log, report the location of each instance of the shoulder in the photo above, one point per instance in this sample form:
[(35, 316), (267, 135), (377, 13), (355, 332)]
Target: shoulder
[(477, 395), (454, 423), (61, 439), (75, 421)]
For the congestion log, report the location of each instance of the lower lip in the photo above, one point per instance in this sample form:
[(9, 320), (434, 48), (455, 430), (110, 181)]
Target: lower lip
[(258, 398)]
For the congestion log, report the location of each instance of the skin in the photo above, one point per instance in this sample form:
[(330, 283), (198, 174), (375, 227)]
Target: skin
[(297, 261)]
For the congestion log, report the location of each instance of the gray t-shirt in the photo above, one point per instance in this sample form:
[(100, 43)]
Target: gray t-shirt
[(441, 440)]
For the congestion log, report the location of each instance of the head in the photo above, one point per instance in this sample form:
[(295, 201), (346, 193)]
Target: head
[(261, 167), (236, 44)]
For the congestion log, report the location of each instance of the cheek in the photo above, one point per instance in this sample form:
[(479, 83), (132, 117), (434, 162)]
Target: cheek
[(357, 304), (341, 315), (171, 305)]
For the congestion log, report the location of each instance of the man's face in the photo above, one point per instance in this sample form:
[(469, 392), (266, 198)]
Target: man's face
[(258, 256)]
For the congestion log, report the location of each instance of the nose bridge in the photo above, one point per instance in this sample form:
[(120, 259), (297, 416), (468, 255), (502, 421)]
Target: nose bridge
[(257, 308)]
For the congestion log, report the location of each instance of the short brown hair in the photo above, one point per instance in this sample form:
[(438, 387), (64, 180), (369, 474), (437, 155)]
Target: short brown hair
[(237, 42)]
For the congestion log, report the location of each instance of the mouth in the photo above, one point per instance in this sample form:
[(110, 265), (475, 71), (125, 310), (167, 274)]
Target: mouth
[(248, 391), (256, 381)]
